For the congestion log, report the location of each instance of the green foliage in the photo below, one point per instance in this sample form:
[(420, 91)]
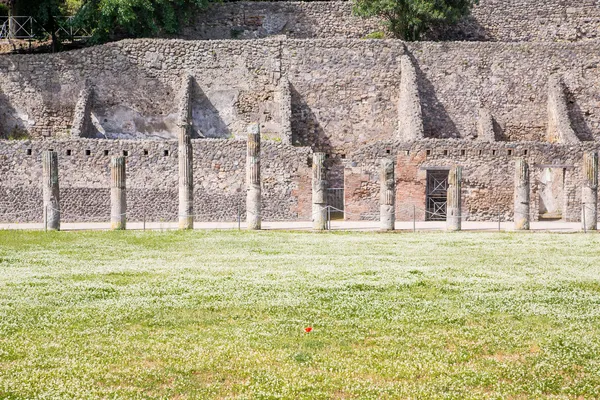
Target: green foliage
[(409, 19), (375, 35), (71, 7), (17, 134), (135, 18)]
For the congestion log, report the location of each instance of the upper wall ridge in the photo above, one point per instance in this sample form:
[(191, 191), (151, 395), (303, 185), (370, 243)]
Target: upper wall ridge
[(491, 20)]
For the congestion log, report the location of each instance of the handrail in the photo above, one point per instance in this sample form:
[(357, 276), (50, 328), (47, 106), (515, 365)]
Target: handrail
[(24, 27)]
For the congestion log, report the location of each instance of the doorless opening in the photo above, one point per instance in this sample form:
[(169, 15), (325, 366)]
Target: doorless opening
[(551, 192)]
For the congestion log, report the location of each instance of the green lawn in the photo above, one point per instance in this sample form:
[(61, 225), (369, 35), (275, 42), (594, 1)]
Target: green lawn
[(195, 315)]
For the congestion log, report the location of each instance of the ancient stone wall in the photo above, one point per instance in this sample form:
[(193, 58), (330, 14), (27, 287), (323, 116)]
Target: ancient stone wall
[(528, 20), (344, 93), (135, 86), (509, 79), (295, 19), (339, 96), (488, 176), (491, 20), (152, 179)]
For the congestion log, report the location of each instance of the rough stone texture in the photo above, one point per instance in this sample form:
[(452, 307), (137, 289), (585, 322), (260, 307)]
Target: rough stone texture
[(559, 121), (136, 85), (219, 180), (253, 192), (410, 117), (487, 168), (510, 79), (251, 20), (344, 92), (51, 190), (185, 157), (285, 101), (118, 199), (184, 114), (522, 192), (319, 192), (454, 214), (491, 20), (589, 194), (387, 206), (528, 20), (485, 126), (82, 115)]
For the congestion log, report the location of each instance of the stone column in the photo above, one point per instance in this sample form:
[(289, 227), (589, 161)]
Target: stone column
[(186, 179), (522, 193), (118, 204), (454, 201), (387, 207), (253, 195), (319, 192), (589, 194), (50, 190)]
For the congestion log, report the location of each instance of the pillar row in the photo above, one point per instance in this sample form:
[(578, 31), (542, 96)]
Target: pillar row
[(186, 180), (118, 202), (50, 190), (387, 208), (253, 193), (589, 194), (185, 156), (453, 207), (319, 192), (522, 195)]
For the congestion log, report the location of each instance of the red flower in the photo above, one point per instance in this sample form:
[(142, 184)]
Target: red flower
[(308, 329)]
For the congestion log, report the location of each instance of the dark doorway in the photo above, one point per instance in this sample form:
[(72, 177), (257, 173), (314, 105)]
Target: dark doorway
[(335, 199), (436, 196)]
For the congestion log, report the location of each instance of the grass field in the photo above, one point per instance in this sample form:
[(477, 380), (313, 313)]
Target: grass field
[(195, 315)]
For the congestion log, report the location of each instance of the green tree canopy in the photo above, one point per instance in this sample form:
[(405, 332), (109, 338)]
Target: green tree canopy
[(135, 18), (409, 19)]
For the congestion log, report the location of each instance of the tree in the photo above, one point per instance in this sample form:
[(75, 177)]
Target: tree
[(409, 19), (135, 18)]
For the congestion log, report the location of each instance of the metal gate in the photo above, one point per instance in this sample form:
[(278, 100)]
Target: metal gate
[(335, 199), (436, 197)]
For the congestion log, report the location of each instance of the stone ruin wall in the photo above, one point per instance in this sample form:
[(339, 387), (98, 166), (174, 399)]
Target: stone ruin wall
[(152, 180), (135, 87), (491, 20), (488, 176), (343, 99), (344, 92), (303, 20)]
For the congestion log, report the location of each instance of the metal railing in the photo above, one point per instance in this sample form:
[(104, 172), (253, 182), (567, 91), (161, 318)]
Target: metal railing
[(17, 27), (67, 27), (27, 28)]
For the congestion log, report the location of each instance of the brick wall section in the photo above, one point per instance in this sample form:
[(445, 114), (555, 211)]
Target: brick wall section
[(488, 174), (410, 186)]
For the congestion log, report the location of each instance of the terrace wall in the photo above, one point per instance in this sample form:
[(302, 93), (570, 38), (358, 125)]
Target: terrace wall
[(152, 179)]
